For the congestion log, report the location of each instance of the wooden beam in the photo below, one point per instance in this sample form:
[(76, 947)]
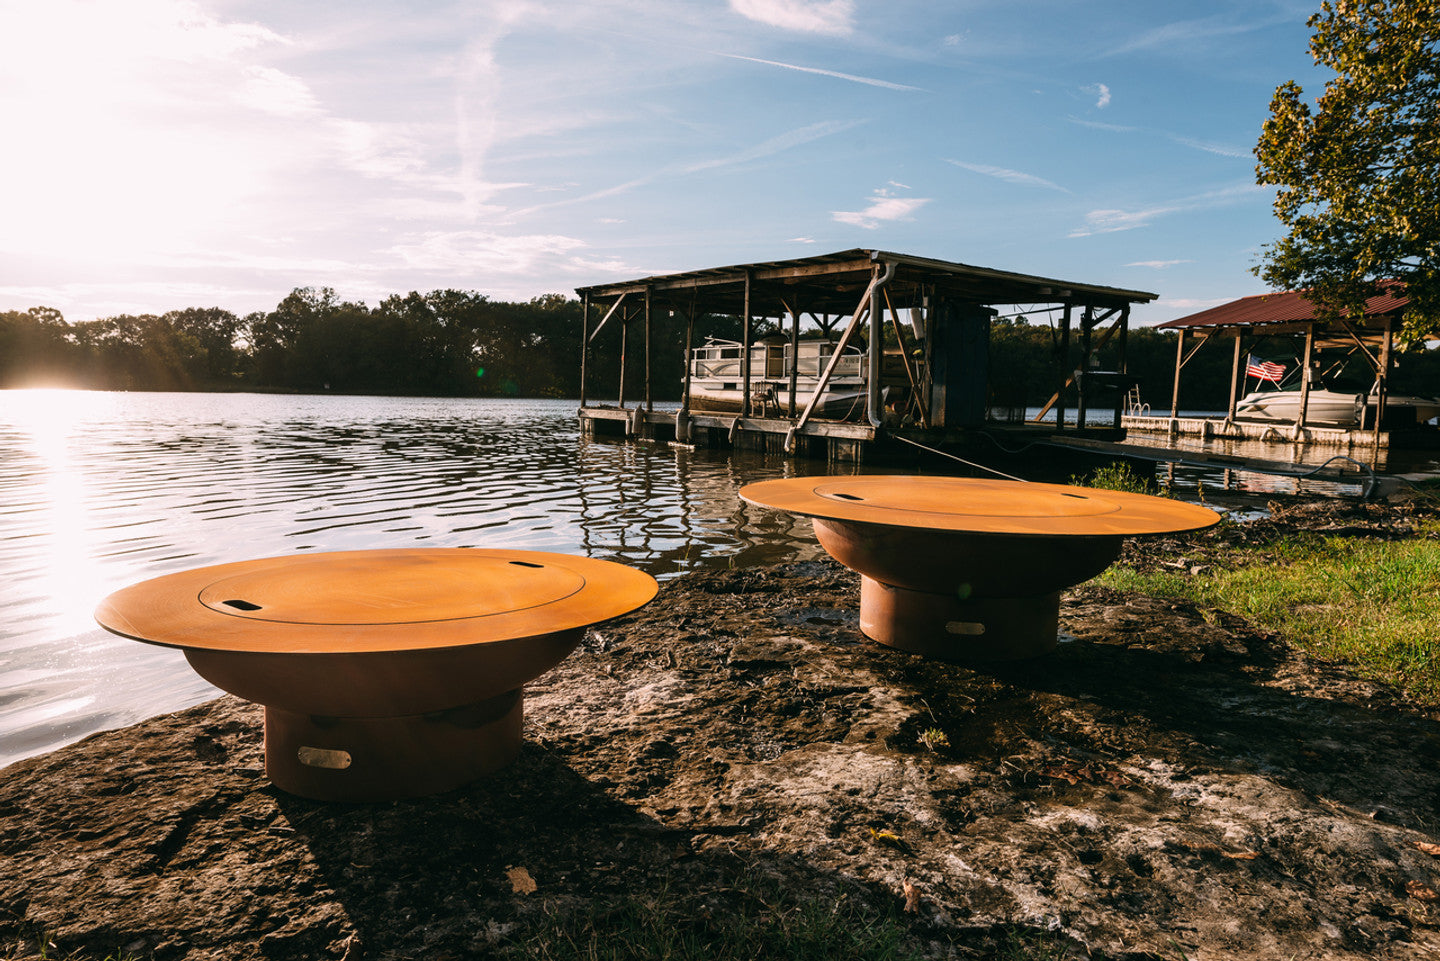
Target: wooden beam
[(745, 352), (606, 319), (1235, 377), (1087, 323), (584, 342), (1179, 363), (905, 360), (1122, 363), (1305, 378), (624, 336), (649, 403), (689, 361), (794, 356), (845, 338), (1382, 383), (1067, 373)]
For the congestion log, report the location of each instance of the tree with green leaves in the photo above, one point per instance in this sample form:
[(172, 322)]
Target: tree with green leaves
[(1359, 173)]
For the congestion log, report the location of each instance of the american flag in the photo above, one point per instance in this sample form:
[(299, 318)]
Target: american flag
[(1263, 369)]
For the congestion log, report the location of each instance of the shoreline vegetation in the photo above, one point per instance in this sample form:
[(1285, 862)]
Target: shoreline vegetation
[(456, 343), (1203, 770), (1367, 595)]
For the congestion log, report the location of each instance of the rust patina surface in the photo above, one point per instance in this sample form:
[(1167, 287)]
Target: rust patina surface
[(384, 673), (970, 569)]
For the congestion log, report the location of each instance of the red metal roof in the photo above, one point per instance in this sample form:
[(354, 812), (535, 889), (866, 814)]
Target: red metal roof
[(1276, 308)]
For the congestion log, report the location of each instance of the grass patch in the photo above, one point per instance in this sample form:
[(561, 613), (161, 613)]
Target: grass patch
[(1118, 476), (755, 918), (1372, 603)]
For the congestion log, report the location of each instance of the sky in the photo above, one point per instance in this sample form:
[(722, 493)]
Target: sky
[(164, 154)]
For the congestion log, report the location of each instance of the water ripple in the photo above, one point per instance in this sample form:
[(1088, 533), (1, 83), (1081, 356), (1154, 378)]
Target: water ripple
[(100, 490)]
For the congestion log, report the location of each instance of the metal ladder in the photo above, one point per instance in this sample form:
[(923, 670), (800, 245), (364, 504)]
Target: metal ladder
[(1133, 405)]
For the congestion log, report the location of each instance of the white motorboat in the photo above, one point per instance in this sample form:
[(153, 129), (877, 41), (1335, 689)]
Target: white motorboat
[(1323, 408), (717, 381), (1330, 408)]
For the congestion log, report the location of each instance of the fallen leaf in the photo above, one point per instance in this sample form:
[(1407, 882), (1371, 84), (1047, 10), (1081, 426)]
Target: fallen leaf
[(1205, 847), (1426, 847), (885, 837), (520, 881), (912, 897), (1420, 892)]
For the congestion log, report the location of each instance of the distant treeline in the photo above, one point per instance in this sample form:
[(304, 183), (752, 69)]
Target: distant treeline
[(453, 343), (447, 343)]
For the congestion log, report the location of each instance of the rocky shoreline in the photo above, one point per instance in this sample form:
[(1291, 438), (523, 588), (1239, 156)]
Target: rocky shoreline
[(1171, 782)]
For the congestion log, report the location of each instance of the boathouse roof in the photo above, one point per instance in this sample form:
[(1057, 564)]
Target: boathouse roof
[(832, 281), (1283, 312)]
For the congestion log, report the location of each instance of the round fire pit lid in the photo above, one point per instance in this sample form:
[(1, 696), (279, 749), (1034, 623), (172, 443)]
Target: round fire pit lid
[(978, 506), (371, 601)]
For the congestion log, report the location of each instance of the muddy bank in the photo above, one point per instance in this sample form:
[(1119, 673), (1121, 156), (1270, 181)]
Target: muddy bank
[(1169, 781)]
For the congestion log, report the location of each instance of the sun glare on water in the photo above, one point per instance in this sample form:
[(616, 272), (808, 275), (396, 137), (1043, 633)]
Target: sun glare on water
[(47, 424)]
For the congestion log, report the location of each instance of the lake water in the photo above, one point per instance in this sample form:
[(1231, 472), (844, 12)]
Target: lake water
[(99, 490)]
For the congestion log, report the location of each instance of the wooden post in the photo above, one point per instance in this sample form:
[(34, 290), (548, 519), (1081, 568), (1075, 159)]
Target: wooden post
[(624, 330), (745, 352), (1065, 373), (1235, 376), (584, 342), (1087, 322), (649, 403), (1179, 362), (794, 354), (1383, 382), (689, 362), (1305, 377), (1122, 365)]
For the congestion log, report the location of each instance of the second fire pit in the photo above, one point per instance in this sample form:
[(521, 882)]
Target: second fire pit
[(966, 569)]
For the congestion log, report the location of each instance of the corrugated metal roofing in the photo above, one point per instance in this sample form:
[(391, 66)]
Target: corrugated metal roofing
[(1287, 307)]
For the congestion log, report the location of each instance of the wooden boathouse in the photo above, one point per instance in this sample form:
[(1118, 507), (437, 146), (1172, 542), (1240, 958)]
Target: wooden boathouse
[(1319, 348), (925, 326)]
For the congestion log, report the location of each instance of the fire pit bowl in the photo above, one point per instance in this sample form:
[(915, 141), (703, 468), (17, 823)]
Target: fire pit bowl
[(964, 569), (387, 673)]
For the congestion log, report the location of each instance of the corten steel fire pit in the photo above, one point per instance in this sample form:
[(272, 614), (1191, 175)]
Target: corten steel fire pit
[(965, 569), (386, 673)]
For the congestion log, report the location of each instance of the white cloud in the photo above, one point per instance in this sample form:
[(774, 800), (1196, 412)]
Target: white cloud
[(1098, 125), (1113, 221), (1009, 176), (829, 17), (1102, 94), (777, 144), (1187, 34), (1157, 264), (1223, 150), (276, 92), (774, 145), (801, 240), (883, 207), (869, 81), (478, 252)]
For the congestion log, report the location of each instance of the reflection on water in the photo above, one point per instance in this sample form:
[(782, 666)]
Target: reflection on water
[(99, 490), (1355, 462)]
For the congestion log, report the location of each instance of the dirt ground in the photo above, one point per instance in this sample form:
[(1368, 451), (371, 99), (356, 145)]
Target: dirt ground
[(1169, 783)]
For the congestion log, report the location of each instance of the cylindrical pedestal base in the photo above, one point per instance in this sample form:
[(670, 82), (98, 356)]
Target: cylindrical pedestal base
[(945, 627), (385, 758)]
